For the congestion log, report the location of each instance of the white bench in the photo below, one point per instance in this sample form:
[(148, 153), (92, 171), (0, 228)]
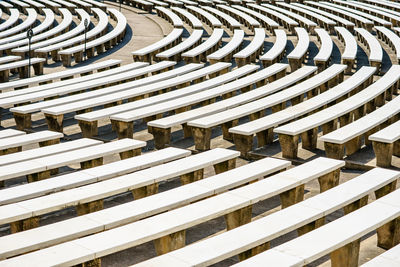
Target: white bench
[(22, 67), (277, 51), (339, 20), (52, 45), (81, 4), (29, 21), (71, 7), (200, 52), (228, 21), (105, 42), (51, 77), (22, 114), (99, 29), (147, 53), (385, 144), (351, 135), (88, 121), (349, 54), (255, 109), (7, 59), (10, 133), (12, 19), (254, 237), (340, 238), (174, 53), (216, 184), (142, 183), (373, 45), (390, 38), (125, 120), (322, 59), (54, 113), (299, 53), (324, 22), (142, 4), (63, 26), (88, 176), (161, 128), (388, 258), (360, 21), (263, 127), (44, 25), (170, 16), (225, 53), (242, 17), (284, 20), (385, 4), (189, 18), (235, 204), (303, 21), (370, 97), (251, 52), (266, 22), (206, 17)]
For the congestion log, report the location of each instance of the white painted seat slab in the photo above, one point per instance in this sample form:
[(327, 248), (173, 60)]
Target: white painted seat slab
[(388, 134), (190, 18), (174, 18), (375, 49), (29, 21), (12, 19), (26, 139), (389, 258), (9, 133), (255, 44), (211, 19), (192, 40), (212, 41), (233, 44), (326, 48), (278, 48)]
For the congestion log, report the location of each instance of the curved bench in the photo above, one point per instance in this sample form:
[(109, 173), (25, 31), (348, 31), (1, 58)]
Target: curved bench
[(276, 52), (200, 52), (147, 53), (228, 21), (284, 20), (206, 17), (142, 4), (170, 16), (225, 53), (387, 258), (322, 59), (250, 53), (349, 54), (71, 7), (105, 42), (161, 128), (189, 18), (243, 18), (266, 22), (328, 118), (373, 45), (299, 53), (11, 21), (390, 38), (63, 26), (29, 21)]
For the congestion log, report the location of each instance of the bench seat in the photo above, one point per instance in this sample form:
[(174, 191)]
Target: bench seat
[(28, 22), (225, 53), (257, 234), (299, 53), (265, 21), (251, 52), (170, 16), (10, 133), (12, 19), (22, 67), (358, 104), (142, 183), (147, 53), (385, 144), (322, 59), (373, 45), (390, 38), (206, 17), (176, 221), (340, 238), (89, 120), (242, 17), (142, 4), (163, 126), (7, 59), (277, 51), (189, 18), (88, 176), (388, 258), (349, 54), (229, 22), (200, 52)]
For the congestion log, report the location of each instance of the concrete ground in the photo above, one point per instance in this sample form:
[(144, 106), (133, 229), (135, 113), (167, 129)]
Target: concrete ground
[(143, 30)]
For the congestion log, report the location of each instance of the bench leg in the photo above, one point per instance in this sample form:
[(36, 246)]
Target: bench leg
[(23, 225), (34, 177), (238, 217), (292, 196), (170, 242), (123, 129), (4, 76), (356, 205), (130, 153), (66, 60), (346, 256), (92, 163), (254, 251), (383, 154), (88, 128), (334, 151), (353, 145), (202, 138), (388, 234), (226, 135), (91, 263), (265, 137), (329, 126), (289, 145), (55, 122), (145, 191), (10, 150), (224, 166), (329, 180), (243, 143), (309, 139), (192, 177), (49, 142), (396, 148), (311, 226), (162, 137), (85, 208)]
